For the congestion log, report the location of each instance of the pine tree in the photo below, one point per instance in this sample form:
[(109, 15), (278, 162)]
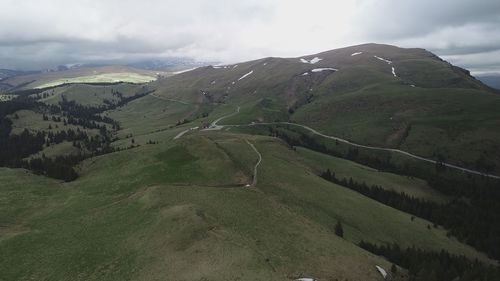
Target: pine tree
[(394, 269), (339, 231)]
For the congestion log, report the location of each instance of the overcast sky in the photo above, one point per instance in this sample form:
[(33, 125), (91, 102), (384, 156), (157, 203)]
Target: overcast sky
[(44, 33)]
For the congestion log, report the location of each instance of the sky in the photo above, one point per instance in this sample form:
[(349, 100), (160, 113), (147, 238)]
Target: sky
[(37, 34)]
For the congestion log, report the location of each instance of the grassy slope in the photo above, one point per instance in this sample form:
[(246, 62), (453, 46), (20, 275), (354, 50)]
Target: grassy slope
[(33, 121), (137, 226), (348, 169), (168, 211), (91, 95), (148, 114)]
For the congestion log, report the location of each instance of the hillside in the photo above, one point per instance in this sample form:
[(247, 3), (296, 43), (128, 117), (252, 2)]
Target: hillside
[(361, 100), (234, 172)]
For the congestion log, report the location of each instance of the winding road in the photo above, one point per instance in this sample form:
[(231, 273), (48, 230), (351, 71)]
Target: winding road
[(377, 148), (215, 126), (254, 180)]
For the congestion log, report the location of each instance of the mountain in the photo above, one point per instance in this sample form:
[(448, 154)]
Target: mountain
[(370, 162), (7, 73), (371, 94), (492, 81), (168, 64)]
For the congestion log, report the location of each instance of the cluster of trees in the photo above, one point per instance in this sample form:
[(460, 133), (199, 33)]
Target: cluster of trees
[(472, 215), (475, 221), (68, 135), (398, 200), (434, 266), (14, 149), (60, 167)]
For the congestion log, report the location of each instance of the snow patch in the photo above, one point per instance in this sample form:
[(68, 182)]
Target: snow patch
[(235, 66), (381, 271), (382, 59), (306, 279), (243, 77), (212, 83), (315, 60), (394, 72), (312, 61), (305, 73), (355, 54), (324, 69), (264, 64), (413, 86)]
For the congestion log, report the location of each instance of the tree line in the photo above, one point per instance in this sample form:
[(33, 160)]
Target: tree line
[(472, 215), (476, 225), (434, 266)]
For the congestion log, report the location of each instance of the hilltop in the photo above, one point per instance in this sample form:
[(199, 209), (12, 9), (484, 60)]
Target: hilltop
[(371, 94)]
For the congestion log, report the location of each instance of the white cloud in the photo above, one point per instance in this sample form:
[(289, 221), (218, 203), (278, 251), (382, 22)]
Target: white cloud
[(39, 32)]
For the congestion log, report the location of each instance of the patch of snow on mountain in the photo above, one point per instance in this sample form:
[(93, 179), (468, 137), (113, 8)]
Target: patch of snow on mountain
[(312, 61), (413, 86), (243, 77), (382, 59), (355, 54), (324, 69), (381, 271), (305, 73), (315, 60), (394, 72), (264, 64)]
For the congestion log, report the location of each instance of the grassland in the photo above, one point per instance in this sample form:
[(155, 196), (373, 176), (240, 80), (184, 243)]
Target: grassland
[(33, 121), (179, 209), (91, 95), (100, 78), (150, 114), (348, 169)]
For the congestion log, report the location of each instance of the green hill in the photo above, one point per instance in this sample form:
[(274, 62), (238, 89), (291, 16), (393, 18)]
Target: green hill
[(430, 107), (156, 181)]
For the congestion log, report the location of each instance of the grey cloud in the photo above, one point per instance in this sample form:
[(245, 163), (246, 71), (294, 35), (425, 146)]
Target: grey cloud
[(44, 33)]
